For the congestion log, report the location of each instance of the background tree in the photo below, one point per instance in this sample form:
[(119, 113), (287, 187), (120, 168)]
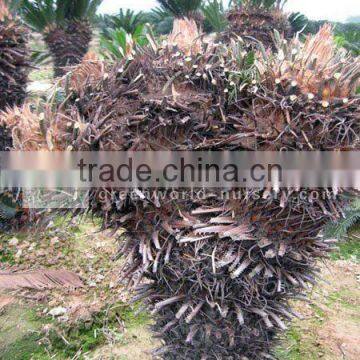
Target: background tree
[(65, 26)]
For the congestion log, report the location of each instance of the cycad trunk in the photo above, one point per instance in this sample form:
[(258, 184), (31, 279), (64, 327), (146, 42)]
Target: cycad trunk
[(68, 44), (257, 24), (14, 65)]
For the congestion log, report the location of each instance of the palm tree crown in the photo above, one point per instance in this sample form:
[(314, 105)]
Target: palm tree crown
[(39, 14), (181, 8)]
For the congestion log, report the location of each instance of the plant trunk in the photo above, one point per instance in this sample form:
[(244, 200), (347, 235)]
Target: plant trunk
[(14, 66), (68, 45)]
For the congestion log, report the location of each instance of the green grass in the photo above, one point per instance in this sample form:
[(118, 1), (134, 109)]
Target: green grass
[(297, 347), (348, 250), (26, 348), (63, 341), (20, 333), (41, 74), (7, 256)]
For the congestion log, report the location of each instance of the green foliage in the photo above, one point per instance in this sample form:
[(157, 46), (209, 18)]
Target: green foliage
[(39, 14), (340, 229), (298, 21), (161, 19), (13, 5), (128, 20), (349, 249), (350, 39), (266, 4), (8, 206), (181, 8), (353, 19), (117, 43), (215, 16)]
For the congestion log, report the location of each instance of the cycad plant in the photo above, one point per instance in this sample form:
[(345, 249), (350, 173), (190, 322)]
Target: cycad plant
[(118, 43), (126, 19), (215, 15), (218, 271), (14, 63), (65, 26), (256, 20), (14, 68)]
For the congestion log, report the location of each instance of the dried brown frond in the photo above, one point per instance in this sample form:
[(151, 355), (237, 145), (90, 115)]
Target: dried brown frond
[(4, 11), (39, 280), (26, 127), (88, 73), (315, 67), (186, 36)]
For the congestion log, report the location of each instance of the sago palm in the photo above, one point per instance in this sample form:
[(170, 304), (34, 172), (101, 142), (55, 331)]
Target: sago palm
[(65, 26), (257, 19), (14, 68), (128, 20), (13, 57)]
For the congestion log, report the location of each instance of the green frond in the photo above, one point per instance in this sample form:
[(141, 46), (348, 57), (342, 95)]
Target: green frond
[(128, 20), (118, 44), (341, 228), (161, 19), (8, 207), (181, 8), (215, 17), (298, 21), (39, 14)]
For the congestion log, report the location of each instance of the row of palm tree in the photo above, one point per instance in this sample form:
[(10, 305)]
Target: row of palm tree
[(66, 25)]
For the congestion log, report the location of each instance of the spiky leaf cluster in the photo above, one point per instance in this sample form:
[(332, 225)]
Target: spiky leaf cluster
[(181, 8)]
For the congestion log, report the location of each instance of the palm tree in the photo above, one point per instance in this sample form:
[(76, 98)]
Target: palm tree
[(14, 64), (128, 20), (257, 19), (65, 26)]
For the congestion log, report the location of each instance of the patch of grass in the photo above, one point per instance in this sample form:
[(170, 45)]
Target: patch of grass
[(296, 346), (64, 341), (7, 256), (41, 74), (345, 298), (26, 348), (20, 334), (320, 313), (131, 315), (348, 250)]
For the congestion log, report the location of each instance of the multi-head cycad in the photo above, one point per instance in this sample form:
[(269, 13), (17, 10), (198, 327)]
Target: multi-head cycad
[(218, 273)]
